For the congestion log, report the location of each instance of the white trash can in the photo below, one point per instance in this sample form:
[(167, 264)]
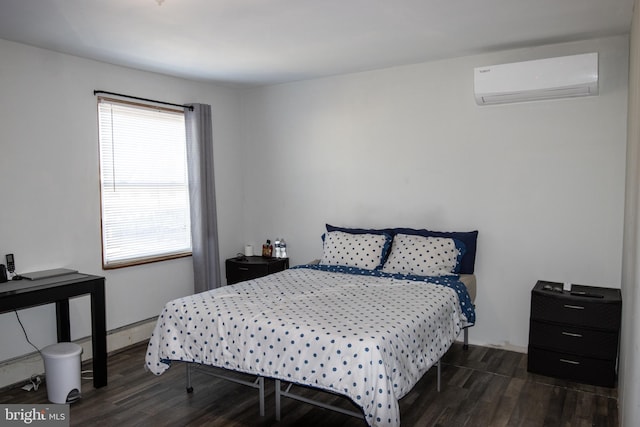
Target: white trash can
[(62, 371)]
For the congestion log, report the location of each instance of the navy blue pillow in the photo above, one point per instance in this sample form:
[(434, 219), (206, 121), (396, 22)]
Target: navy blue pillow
[(469, 238)]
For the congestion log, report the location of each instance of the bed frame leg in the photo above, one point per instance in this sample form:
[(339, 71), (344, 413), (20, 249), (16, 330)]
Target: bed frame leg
[(278, 400), (189, 387), (465, 346), (261, 393)]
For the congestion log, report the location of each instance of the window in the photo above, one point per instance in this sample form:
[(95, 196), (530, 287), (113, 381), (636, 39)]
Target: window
[(144, 184)]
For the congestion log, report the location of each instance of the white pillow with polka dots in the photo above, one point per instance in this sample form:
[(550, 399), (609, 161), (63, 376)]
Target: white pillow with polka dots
[(355, 250), (422, 256)]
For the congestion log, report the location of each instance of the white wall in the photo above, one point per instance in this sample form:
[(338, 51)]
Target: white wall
[(629, 366), (49, 184), (543, 182)]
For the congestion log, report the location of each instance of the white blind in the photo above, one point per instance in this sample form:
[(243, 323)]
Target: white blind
[(145, 194)]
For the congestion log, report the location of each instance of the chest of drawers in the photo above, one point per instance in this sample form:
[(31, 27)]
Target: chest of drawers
[(244, 268), (574, 335)]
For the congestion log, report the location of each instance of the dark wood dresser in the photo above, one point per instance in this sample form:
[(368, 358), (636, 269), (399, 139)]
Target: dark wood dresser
[(574, 335), (243, 268)]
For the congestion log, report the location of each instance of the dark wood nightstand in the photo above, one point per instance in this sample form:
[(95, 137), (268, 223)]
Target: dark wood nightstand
[(574, 335), (244, 268)]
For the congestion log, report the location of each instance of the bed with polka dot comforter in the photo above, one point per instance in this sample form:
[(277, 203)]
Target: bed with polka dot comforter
[(360, 333)]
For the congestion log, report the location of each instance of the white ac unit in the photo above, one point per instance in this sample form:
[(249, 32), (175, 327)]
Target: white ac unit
[(561, 77)]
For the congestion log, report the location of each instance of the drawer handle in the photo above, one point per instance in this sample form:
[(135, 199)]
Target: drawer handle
[(575, 307), (571, 334), (243, 268), (571, 362)]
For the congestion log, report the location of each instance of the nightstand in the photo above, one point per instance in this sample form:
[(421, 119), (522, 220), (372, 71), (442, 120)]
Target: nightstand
[(244, 268), (574, 335)]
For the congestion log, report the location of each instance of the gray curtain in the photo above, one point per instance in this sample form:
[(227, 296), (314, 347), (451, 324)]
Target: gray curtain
[(202, 196)]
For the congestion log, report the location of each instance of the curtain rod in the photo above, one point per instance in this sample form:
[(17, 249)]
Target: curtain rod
[(189, 107)]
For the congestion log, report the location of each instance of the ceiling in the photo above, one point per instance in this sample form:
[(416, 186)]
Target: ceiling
[(258, 42)]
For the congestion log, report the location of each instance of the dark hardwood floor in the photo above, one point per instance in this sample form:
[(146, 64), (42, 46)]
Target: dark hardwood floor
[(480, 387)]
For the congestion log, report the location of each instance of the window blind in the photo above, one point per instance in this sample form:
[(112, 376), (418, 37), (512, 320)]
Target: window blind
[(144, 184)]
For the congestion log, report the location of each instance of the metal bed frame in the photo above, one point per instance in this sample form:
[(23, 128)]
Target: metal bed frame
[(280, 393), (465, 344), (258, 384)]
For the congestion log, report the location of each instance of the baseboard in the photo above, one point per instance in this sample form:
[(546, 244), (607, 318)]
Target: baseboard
[(19, 370), (507, 346)]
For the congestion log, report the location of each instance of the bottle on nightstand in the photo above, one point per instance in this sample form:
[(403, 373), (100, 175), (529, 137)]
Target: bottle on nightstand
[(280, 248), (276, 248), (267, 249)]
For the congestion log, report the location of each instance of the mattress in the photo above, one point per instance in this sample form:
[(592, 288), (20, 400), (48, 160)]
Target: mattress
[(469, 281)]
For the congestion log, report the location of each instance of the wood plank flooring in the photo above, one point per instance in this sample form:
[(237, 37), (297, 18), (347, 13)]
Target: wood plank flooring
[(480, 387)]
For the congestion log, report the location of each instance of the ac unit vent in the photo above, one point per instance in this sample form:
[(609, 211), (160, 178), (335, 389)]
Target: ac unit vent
[(552, 78)]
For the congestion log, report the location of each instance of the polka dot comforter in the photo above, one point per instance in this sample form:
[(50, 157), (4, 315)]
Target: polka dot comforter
[(368, 336)]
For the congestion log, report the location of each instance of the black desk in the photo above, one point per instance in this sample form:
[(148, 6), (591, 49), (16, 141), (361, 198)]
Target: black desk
[(19, 294)]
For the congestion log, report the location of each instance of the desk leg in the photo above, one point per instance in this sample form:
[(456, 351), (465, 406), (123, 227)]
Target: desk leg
[(99, 335), (62, 320)]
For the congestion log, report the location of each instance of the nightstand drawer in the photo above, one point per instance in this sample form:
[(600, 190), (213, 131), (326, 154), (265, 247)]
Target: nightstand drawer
[(574, 340), (577, 368), (243, 268), (591, 312), (242, 272)]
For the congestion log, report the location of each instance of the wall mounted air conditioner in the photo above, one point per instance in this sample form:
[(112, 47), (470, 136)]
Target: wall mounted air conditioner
[(561, 77)]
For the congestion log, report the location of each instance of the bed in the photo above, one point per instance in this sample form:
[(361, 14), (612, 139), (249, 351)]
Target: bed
[(363, 323)]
